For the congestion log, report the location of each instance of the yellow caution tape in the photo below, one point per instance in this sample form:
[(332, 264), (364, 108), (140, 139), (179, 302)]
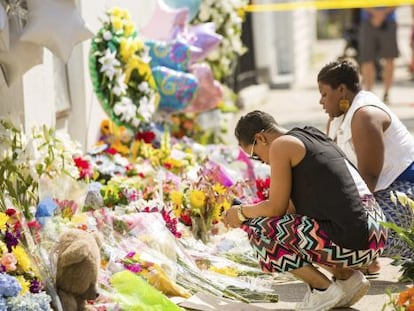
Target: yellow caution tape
[(324, 5)]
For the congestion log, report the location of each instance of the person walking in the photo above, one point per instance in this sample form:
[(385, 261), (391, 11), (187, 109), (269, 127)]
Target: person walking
[(378, 41), (411, 66), (319, 212), (375, 140)]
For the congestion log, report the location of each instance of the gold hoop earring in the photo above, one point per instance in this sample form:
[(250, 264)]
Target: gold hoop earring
[(344, 105)]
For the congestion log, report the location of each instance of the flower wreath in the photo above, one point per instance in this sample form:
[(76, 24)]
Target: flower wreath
[(120, 71)]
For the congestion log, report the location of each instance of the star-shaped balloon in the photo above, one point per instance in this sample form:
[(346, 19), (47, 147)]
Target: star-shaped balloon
[(164, 21), (4, 30), (20, 58), (202, 37), (56, 25), (193, 6)]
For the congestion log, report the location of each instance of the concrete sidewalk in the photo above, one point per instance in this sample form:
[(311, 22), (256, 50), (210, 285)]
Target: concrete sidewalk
[(293, 292), (300, 106)]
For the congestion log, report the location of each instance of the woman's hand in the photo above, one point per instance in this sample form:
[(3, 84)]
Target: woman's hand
[(231, 218)]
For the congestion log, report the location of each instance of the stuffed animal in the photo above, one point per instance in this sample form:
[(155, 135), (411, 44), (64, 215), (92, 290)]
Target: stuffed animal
[(78, 261)]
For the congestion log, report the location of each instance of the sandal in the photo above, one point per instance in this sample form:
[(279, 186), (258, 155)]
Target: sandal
[(372, 269)]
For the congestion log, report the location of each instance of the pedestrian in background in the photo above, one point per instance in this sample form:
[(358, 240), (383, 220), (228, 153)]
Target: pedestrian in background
[(411, 68), (378, 40), (319, 212), (375, 141)]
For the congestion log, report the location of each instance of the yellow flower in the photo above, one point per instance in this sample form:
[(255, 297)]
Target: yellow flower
[(127, 47), (117, 23), (117, 12), (135, 147), (229, 271), (25, 284), (3, 220), (120, 147), (215, 213), (140, 44), (226, 205), (129, 29), (3, 248), (177, 200), (80, 218), (173, 163), (197, 199), (127, 16), (136, 63), (22, 259), (219, 188)]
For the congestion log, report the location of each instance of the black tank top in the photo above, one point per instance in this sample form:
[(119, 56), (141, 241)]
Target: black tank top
[(324, 189)]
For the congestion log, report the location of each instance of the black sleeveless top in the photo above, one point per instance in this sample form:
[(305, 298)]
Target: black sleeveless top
[(324, 189)]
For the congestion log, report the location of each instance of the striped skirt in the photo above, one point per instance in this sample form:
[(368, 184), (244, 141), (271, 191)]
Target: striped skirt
[(292, 241)]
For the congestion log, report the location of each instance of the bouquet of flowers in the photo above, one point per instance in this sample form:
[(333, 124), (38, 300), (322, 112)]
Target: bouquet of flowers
[(25, 159), (120, 71), (153, 274), (201, 203), (228, 17)]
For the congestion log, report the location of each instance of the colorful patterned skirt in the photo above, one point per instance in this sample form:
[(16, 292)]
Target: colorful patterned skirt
[(292, 241), (400, 214)]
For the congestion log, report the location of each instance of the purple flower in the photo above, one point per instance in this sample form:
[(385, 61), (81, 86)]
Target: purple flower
[(130, 255), (134, 267), (35, 286), (11, 240)]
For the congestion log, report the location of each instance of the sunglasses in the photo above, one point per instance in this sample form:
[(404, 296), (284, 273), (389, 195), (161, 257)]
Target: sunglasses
[(252, 155)]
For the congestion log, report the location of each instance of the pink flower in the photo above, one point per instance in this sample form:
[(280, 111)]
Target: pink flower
[(8, 261), (134, 267)]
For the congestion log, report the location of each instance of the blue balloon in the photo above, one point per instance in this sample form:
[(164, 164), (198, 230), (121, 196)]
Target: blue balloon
[(192, 5), (176, 88)]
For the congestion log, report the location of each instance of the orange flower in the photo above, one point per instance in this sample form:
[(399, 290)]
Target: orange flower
[(9, 262), (406, 296)]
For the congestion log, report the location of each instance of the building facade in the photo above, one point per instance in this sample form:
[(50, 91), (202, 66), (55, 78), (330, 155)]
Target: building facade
[(61, 95)]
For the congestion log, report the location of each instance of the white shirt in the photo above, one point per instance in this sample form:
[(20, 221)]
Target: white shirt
[(398, 141)]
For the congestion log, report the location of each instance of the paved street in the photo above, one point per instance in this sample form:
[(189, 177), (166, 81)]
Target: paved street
[(299, 105)]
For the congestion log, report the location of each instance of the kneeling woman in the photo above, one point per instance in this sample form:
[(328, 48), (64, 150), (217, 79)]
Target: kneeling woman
[(319, 212)]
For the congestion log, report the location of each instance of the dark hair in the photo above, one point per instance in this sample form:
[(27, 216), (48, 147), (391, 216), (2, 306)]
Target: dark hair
[(340, 72), (251, 124)]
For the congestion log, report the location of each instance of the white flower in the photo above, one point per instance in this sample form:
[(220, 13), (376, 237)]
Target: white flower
[(125, 109), (204, 14), (146, 108), (144, 87), (135, 122), (120, 86), (214, 55), (109, 62), (225, 62), (107, 35)]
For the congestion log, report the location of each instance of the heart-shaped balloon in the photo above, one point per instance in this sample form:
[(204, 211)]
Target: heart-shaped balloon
[(174, 54), (209, 93), (176, 88)]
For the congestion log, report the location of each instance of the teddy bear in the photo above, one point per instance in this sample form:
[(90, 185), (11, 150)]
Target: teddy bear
[(78, 261)]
